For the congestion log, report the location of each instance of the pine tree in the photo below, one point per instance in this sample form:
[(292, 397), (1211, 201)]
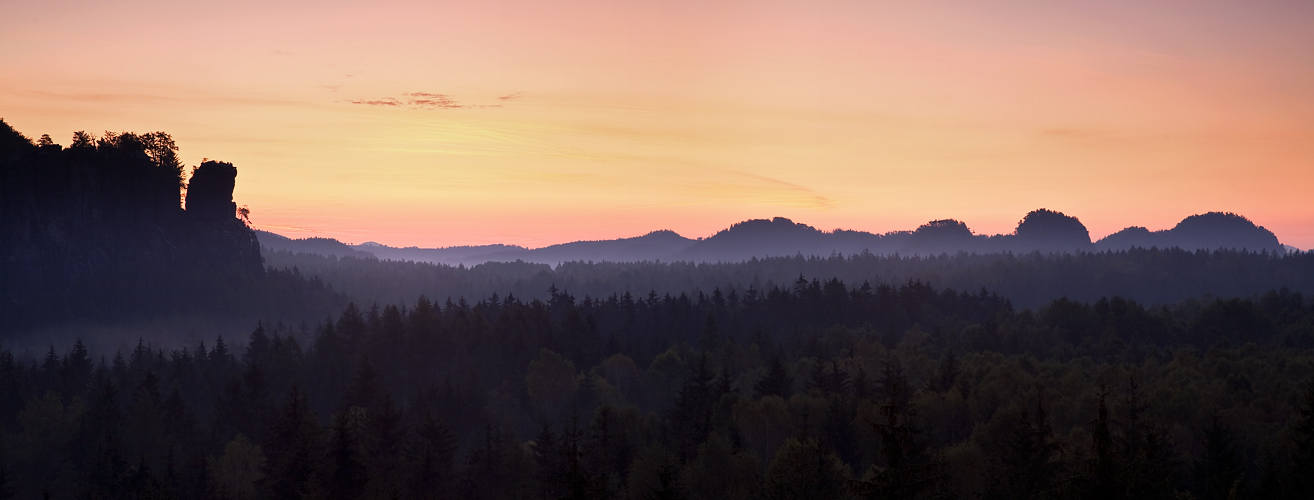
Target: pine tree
[(145, 423), (946, 373), (837, 381), (220, 358), (6, 482), (547, 461), (384, 447), (76, 370), (97, 441), (257, 349), (776, 382), (1103, 468), (348, 476), (197, 482), (1219, 473), (1149, 469), (431, 457), (577, 482), (1300, 480), (231, 411), (1029, 470), (819, 378), (710, 339), (668, 487), (495, 467), (179, 423), (893, 385), (608, 448), (255, 405), (291, 450), (50, 368), (692, 416), (140, 484), (366, 391), (838, 434), (905, 470)]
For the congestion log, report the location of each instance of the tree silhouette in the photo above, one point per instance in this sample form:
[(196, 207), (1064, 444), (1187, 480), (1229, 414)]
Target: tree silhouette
[(1218, 472), (776, 382)]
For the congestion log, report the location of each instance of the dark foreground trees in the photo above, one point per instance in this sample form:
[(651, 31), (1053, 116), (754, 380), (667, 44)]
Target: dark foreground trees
[(878, 392)]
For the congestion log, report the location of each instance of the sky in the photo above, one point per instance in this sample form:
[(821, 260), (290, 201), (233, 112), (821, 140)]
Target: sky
[(536, 122)]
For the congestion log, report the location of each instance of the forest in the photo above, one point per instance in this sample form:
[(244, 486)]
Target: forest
[(1029, 280), (1144, 373), (818, 389)]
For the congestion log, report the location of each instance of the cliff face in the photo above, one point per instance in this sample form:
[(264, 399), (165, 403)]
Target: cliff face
[(216, 235), (96, 229)]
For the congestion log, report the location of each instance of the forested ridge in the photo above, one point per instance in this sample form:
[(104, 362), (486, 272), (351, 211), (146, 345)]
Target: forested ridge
[(820, 389), (1044, 231), (1029, 280)]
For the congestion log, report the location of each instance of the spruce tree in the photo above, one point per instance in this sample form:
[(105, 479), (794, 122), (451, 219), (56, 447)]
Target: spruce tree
[(291, 450), (383, 444), (432, 456), (365, 391), (1029, 468), (668, 487), (1104, 482), (905, 471), (6, 482), (97, 444), (819, 378), (547, 461), (1300, 480), (1149, 469), (946, 373), (691, 417), (145, 432), (776, 382), (348, 476), (1219, 473)]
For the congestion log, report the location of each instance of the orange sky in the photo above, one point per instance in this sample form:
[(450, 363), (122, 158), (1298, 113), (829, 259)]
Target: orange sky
[(563, 120)]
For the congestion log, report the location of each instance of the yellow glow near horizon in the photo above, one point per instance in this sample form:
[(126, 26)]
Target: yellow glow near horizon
[(591, 120)]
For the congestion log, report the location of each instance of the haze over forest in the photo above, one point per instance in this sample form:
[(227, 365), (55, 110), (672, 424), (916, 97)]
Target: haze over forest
[(770, 360), (582, 249)]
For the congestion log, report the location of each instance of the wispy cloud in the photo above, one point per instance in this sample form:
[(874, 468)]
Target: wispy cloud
[(389, 101), (426, 100)]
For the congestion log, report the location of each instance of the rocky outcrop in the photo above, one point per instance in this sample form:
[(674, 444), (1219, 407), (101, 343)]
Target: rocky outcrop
[(210, 192), (97, 229)]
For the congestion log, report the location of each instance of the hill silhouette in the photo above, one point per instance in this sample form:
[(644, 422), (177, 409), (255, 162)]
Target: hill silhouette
[(1043, 231), (941, 236), (313, 245), (1209, 231), (1049, 231)]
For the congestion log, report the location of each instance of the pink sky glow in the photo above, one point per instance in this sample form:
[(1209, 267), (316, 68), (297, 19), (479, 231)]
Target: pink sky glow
[(532, 122)]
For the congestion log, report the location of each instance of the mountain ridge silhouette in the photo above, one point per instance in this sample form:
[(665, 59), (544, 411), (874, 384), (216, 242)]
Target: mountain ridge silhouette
[(1041, 230)]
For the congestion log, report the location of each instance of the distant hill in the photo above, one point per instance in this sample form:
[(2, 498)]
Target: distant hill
[(320, 246), (1042, 230), (776, 237), (1210, 231)]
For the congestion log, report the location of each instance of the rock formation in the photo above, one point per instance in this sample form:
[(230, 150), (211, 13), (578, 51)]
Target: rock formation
[(97, 229)]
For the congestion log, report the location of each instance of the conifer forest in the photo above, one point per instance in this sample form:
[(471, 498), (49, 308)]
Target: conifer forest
[(1127, 374)]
